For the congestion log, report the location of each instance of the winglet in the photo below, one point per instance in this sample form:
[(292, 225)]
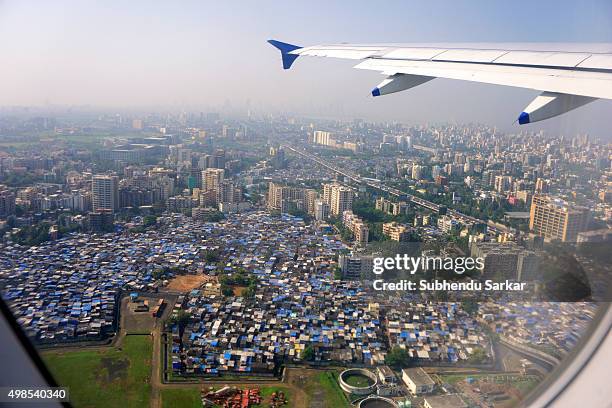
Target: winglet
[(285, 49)]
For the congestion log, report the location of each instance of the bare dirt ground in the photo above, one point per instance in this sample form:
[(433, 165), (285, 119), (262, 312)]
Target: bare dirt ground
[(185, 283), (137, 322)]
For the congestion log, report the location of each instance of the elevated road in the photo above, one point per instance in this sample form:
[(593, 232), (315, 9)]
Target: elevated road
[(390, 190), (544, 359)]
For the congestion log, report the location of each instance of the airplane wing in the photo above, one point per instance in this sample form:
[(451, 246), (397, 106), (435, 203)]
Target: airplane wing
[(568, 75)]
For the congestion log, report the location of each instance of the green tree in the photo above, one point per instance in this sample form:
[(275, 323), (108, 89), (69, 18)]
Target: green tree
[(226, 290), (157, 274), (249, 292), (397, 357), (470, 306), (149, 220), (181, 319), (308, 354), (33, 235), (211, 256), (215, 216), (478, 356)]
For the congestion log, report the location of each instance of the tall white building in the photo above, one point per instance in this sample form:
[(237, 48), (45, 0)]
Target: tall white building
[(436, 171), (341, 199), (322, 138), (417, 172), (321, 210), (212, 178)]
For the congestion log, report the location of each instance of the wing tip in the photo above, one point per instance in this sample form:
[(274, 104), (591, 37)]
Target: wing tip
[(285, 49)]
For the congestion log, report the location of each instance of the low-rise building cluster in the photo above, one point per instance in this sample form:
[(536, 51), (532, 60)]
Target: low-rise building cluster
[(435, 332), (553, 327)]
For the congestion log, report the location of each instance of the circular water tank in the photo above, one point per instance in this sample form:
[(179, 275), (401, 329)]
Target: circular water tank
[(377, 402), (358, 381)]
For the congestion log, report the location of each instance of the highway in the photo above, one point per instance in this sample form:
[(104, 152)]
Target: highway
[(392, 191), (542, 359)]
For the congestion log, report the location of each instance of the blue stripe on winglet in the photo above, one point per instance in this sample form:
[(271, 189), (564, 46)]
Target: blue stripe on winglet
[(285, 49), (523, 118)]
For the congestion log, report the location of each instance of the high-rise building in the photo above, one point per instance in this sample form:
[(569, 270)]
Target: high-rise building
[(356, 225), (503, 183), (136, 197), (448, 224), (351, 267), (327, 189), (541, 186), (396, 232), (284, 198), (219, 159), (310, 196), (417, 172), (441, 180), (180, 203), (436, 171), (227, 192), (338, 197), (555, 219), (321, 210), (384, 205), (506, 260), (212, 178), (137, 124), (7, 202), (341, 200), (361, 232), (605, 196), (527, 266), (488, 177), (105, 193), (323, 138), (524, 196), (354, 267)]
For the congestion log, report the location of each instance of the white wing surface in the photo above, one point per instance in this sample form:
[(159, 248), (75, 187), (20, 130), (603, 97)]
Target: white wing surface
[(568, 75)]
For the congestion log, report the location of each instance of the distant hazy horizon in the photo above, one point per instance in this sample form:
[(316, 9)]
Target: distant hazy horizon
[(207, 56)]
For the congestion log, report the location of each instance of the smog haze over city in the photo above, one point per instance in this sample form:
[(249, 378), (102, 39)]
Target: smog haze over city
[(184, 223), (214, 55)]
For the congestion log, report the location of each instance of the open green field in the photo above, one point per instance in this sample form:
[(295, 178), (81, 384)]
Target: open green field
[(325, 388), (526, 385), (454, 378), (181, 398), (105, 378), (516, 387)]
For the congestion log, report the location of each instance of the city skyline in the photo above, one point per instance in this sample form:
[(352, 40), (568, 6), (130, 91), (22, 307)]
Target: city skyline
[(205, 56), (250, 246)]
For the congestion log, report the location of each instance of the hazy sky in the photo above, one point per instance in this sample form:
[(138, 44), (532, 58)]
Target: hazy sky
[(198, 55)]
